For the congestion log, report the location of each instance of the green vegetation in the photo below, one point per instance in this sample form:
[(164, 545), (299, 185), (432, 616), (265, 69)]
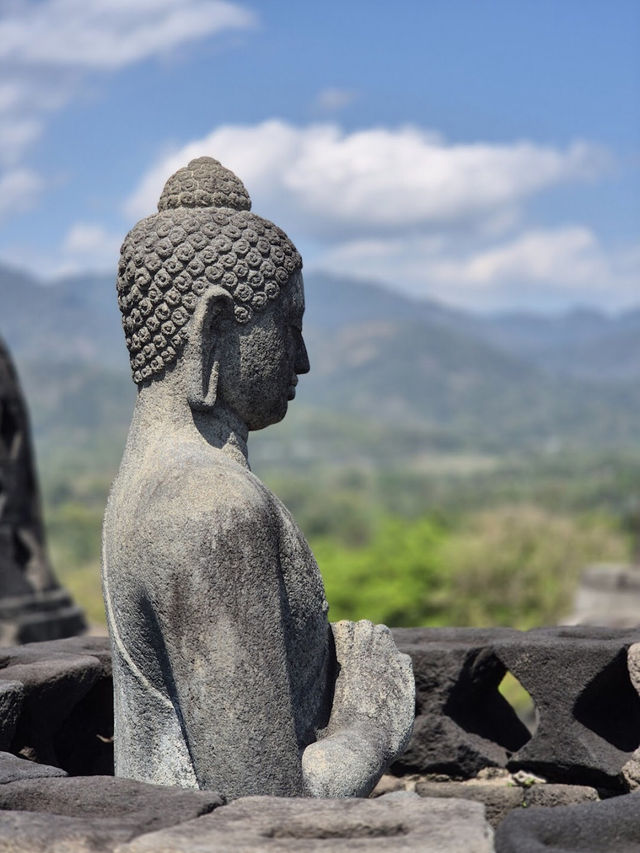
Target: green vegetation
[(73, 512), (506, 566), (458, 540)]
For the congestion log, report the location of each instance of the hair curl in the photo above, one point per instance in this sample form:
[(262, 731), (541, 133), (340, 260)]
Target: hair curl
[(203, 234)]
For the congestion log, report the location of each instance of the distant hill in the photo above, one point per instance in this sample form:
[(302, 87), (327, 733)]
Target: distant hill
[(390, 376), (582, 343), (72, 319)]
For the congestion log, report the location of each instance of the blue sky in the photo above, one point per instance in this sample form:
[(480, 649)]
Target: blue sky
[(481, 152)]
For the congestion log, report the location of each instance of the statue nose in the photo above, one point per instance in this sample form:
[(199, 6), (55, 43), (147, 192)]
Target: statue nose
[(302, 358)]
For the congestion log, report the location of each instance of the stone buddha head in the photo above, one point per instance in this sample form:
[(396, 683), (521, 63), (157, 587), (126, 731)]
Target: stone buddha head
[(213, 293)]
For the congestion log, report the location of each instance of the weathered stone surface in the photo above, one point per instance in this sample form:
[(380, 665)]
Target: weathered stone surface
[(588, 711), (90, 814), (11, 703), (633, 664), (58, 699), (501, 796), (224, 662), (498, 800), (394, 822), (610, 826), (35, 832), (552, 795), (33, 606), (14, 769), (462, 722), (372, 715)]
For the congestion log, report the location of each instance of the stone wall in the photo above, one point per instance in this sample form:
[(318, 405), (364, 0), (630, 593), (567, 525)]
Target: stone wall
[(470, 753)]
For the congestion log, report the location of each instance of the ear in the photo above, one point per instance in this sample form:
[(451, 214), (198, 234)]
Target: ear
[(204, 347)]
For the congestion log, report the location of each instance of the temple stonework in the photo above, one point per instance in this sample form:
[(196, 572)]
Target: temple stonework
[(33, 606)]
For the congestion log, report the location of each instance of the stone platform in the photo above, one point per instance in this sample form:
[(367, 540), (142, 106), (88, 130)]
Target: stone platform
[(464, 774)]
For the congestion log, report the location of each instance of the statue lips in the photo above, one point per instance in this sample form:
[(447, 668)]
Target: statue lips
[(292, 388)]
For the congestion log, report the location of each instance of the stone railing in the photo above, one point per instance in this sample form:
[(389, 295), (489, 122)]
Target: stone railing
[(587, 710), (468, 743)]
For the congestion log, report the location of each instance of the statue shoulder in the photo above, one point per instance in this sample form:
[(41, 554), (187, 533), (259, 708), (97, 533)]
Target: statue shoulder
[(208, 486)]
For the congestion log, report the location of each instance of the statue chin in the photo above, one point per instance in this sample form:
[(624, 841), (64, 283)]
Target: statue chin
[(216, 608)]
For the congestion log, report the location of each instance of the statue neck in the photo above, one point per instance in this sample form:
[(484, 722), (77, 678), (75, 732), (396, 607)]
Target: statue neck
[(163, 415)]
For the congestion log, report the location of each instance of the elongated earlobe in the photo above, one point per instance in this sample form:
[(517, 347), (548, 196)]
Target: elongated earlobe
[(204, 348)]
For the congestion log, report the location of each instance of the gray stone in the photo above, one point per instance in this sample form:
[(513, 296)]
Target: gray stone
[(90, 814), (15, 769), (633, 665), (398, 821), (588, 711), (56, 700), (463, 723), (498, 799), (552, 794), (33, 606), (224, 662), (610, 826), (11, 703)]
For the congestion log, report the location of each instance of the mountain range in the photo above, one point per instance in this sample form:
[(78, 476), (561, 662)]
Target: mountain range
[(390, 375)]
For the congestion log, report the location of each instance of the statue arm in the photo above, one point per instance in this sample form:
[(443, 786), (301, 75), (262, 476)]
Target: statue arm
[(224, 630)]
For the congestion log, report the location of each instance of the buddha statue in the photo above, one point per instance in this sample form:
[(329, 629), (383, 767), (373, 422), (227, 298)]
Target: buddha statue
[(227, 672)]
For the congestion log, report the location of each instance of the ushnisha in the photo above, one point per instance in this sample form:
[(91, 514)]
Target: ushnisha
[(227, 672)]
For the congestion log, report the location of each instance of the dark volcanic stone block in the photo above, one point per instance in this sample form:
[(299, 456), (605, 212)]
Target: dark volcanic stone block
[(611, 826), (462, 721), (62, 711), (398, 822), (91, 814), (588, 710)]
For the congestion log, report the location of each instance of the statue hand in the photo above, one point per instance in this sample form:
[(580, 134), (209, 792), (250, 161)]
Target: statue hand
[(371, 717)]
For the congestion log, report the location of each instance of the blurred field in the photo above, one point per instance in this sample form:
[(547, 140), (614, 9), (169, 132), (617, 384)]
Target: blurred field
[(497, 543)]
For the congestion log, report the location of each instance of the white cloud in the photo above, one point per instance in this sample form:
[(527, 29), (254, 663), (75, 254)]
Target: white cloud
[(333, 99), (569, 255), (25, 99), (376, 181), (19, 190), (48, 47), (406, 207), (90, 241), (108, 34), (560, 267), (85, 246)]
